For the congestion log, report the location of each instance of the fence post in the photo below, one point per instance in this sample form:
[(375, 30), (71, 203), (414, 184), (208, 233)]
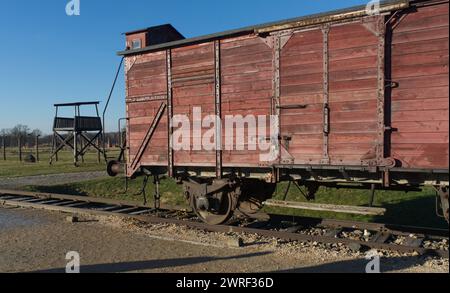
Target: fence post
[(98, 151), (4, 148), (20, 147), (37, 148)]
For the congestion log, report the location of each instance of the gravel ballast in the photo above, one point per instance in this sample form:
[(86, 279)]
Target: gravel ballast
[(38, 241)]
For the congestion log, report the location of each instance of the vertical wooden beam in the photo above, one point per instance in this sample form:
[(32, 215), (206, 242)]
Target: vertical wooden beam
[(277, 84), (81, 149), (326, 96), (53, 148), (218, 109), (382, 151), (56, 155), (99, 143), (277, 77), (75, 148), (381, 28), (170, 158), (75, 139)]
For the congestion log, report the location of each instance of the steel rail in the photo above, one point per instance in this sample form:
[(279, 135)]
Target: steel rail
[(126, 209)]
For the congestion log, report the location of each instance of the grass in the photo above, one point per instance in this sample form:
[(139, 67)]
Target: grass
[(114, 188), (12, 167), (414, 208)]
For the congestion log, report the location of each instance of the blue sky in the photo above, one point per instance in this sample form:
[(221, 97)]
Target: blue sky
[(48, 57)]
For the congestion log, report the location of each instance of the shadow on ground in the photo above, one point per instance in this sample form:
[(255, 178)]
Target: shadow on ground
[(350, 266), (152, 264), (359, 266), (419, 212), (60, 189)]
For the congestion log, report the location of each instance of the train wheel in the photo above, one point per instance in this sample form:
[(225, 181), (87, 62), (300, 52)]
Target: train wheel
[(215, 210), (254, 194)]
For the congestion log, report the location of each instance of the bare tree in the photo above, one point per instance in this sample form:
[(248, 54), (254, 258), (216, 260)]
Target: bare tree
[(4, 133), (20, 131), (36, 132)]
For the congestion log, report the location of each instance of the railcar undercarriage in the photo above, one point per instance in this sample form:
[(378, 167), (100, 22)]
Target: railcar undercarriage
[(243, 193)]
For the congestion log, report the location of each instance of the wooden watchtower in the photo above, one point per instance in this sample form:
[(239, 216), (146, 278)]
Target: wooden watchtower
[(78, 133)]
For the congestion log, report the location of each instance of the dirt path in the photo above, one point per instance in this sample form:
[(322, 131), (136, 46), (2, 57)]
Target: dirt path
[(38, 241), (49, 180)]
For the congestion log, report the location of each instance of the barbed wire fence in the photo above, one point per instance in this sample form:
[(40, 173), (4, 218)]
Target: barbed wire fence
[(30, 147)]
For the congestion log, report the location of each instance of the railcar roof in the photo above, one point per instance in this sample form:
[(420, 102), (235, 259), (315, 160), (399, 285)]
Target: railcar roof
[(279, 25)]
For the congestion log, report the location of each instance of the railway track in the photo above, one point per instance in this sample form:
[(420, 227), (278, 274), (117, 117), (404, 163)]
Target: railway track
[(358, 235)]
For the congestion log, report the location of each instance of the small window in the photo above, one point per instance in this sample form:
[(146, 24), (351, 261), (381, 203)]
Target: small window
[(136, 44)]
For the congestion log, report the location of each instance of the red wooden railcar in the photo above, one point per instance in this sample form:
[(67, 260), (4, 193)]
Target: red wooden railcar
[(361, 100)]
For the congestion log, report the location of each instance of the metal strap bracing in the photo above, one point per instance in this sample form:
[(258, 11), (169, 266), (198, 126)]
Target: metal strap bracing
[(218, 109), (326, 97), (148, 137), (170, 159)]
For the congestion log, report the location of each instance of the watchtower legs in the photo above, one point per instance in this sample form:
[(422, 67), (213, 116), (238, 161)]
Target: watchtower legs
[(79, 143), (75, 149), (78, 134)]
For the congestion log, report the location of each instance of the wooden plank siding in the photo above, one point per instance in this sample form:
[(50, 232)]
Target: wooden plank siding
[(302, 84), (193, 86), (146, 90), (420, 103), (417, 109), (247, 88), (353, 93)]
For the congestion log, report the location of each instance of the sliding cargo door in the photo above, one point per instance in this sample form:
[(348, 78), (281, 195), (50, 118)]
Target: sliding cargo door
[(193, 87), (332, 94), (356, 93), (246, 93), (420, 102), (302, 97)]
